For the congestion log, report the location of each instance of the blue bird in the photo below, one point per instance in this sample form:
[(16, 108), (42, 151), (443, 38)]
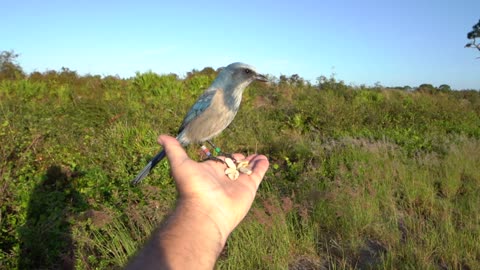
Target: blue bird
[(213, 111)]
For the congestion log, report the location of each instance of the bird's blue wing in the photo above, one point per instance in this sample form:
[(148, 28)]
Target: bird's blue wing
[(200, 106)]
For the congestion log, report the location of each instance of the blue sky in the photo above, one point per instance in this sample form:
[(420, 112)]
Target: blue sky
[(363, 42)]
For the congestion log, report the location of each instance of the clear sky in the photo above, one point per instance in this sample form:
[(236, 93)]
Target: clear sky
[(396, 43)]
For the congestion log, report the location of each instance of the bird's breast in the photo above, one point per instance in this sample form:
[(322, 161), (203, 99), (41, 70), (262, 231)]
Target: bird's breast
[(212, 121)]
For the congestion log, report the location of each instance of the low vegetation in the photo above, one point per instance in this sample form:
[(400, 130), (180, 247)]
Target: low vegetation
[(360, 177)]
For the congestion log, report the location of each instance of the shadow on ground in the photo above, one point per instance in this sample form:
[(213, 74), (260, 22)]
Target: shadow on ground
[(46, 237)]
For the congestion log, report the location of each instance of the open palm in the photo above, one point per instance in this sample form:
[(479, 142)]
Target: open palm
[(204, 185)]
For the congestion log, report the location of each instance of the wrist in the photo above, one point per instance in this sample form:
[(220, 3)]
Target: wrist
[(188, 239), (207, 220)]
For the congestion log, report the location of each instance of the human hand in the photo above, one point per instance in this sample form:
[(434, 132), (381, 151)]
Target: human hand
[(209, 207), (204, 188)]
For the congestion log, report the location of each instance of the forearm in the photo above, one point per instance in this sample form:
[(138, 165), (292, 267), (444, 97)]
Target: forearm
[(188, 239)]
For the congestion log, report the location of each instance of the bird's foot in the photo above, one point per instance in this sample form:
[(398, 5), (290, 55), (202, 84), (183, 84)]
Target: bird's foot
[(227, 155), (216, 159), (218, 153)]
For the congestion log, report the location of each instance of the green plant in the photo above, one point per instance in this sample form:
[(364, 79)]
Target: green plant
[(360, 178)]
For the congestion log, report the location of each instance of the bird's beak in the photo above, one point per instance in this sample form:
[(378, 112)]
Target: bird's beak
[(261, 78)]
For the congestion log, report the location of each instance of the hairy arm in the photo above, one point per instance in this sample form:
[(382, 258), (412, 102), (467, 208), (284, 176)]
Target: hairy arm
[(209, 207), (188, 239)]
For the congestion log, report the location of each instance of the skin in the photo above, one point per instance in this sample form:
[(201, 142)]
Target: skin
[(208, 209)]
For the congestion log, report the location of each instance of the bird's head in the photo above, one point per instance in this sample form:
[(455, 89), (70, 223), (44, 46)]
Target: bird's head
[(243, 72), (237, 76)]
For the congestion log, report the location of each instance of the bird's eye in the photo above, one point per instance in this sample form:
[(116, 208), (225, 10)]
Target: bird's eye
[(247, 71)]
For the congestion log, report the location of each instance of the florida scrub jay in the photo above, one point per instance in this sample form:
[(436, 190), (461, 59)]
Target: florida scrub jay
[(213, 111)]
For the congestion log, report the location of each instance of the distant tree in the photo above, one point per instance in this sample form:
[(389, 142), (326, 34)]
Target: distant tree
[(475, 33), (9, 67), (426, 88), (324, 83), (208, 71), (407, 88), (296, 80), (283, 80), (35, 76), (444, 88), (378, 85), (403, 88), (68, 76)]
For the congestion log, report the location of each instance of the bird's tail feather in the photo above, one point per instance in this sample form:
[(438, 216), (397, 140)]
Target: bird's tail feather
[(145, 171)]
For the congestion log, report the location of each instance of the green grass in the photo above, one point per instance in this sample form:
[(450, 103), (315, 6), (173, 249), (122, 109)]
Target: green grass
[(359, 178)]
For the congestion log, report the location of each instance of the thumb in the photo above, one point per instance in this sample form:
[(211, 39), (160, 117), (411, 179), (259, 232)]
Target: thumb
[(175, 153)]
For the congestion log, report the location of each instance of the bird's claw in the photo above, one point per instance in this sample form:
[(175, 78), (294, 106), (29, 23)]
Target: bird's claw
[(218, 153), (216, 159), (230, 156)]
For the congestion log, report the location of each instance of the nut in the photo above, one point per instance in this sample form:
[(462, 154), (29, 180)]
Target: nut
[(233, 172), (245, 170), (230, 163)]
